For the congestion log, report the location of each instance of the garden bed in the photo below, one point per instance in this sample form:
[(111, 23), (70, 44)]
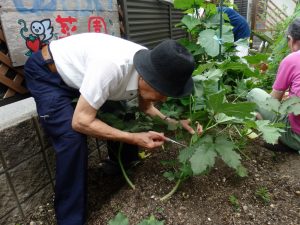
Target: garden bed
[(202, 199)]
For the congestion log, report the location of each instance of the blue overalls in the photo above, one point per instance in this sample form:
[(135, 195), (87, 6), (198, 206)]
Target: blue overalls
[(54, 106)]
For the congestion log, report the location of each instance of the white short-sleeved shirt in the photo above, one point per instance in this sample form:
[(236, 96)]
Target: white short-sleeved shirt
[(99, 65)]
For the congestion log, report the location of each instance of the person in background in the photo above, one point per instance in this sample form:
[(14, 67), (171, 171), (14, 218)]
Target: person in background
[(287, 80), (241, 29), (96, 68)]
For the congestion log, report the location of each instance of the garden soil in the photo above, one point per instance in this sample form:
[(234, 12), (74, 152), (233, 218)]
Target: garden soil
[(201, 200)]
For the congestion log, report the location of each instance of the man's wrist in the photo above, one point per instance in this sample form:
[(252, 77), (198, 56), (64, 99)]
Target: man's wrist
[(166, 118), (170, 120)]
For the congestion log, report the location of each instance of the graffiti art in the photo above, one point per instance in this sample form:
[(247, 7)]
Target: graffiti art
[(41, 34)]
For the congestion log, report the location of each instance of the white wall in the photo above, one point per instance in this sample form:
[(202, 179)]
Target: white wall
[(287, 6)]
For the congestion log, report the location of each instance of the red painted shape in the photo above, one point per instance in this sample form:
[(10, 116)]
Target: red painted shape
[(33, 45), (65, 24), (97, 24)]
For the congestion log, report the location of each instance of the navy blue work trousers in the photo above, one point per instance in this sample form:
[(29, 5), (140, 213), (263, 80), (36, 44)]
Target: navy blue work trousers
[(54, 106)]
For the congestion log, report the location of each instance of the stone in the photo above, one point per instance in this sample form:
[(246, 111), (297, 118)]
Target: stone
[(29, 177), (8, 201)]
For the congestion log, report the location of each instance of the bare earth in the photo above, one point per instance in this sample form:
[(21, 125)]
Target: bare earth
[(200, 200)]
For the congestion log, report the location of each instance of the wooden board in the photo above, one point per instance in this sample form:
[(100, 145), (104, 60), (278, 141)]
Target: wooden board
[(37, 6), (28, 25)]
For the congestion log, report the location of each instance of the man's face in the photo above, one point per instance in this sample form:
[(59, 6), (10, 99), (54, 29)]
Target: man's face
[(148, 93)]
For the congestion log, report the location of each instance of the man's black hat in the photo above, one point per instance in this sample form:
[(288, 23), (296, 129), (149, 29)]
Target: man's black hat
[(167, 68)]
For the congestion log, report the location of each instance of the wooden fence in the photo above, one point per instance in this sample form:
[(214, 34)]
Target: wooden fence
[(265, 16)]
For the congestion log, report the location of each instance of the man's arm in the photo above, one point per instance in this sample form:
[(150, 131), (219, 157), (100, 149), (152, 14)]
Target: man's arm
[(85, 121), (149, 108)]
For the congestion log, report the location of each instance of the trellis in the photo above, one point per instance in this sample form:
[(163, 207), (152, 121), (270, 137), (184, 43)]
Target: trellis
[(11, 78)]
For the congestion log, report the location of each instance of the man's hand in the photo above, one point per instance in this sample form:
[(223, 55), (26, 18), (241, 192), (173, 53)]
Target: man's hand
[(149, 140), (186, 125)]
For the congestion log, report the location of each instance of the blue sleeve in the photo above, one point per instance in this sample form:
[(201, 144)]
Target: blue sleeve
[(240, 26)]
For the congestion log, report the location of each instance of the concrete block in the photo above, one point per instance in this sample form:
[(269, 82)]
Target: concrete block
[(29, 177), (11, 218), (36, 204), (16, 113), (7, 202), (19, 142)]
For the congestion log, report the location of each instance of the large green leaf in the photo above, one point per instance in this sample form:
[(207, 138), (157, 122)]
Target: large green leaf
[(151, 221), (210, 9), (258, 58), (240, 110), (270, 134), (183, 4), (208, 41), (210, 87), (212, 74), (238, 66), (227, 34), (295, 109), (198, 87), (204, 157), (291, 105), (222, 118), (120, 219), (186, 154), (203, 67), (215, 102), (190, 21), (228, 155), (213, 21)]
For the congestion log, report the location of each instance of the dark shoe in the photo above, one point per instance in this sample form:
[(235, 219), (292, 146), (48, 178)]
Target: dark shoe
[(112, 168)]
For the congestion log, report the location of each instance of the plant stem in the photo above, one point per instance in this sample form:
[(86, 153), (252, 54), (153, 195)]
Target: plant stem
[(237, 130), (191, 99), (122, 168), (209, 122), (238, 96), (216, 124), (167, 196), (240, 151), (193, 105)]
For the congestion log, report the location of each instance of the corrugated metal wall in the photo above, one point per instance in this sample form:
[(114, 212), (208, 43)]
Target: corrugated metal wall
[(242, 7), (148, 22)]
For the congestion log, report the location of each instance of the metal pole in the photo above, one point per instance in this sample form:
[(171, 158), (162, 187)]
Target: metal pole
[(221, 24)]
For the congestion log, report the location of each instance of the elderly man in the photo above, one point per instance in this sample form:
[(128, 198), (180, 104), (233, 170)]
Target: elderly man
[(96, 68)]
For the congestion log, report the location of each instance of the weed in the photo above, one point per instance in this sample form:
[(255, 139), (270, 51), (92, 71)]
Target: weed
[(263, 194), (234, 202)]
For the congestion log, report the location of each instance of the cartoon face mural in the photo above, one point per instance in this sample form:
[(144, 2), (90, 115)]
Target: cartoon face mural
[(37, 28), (42, 32)]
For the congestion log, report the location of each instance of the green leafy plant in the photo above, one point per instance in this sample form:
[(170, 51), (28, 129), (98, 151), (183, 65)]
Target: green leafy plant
[(221, 82), (234, 202), (121, 219), (263, 194)]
